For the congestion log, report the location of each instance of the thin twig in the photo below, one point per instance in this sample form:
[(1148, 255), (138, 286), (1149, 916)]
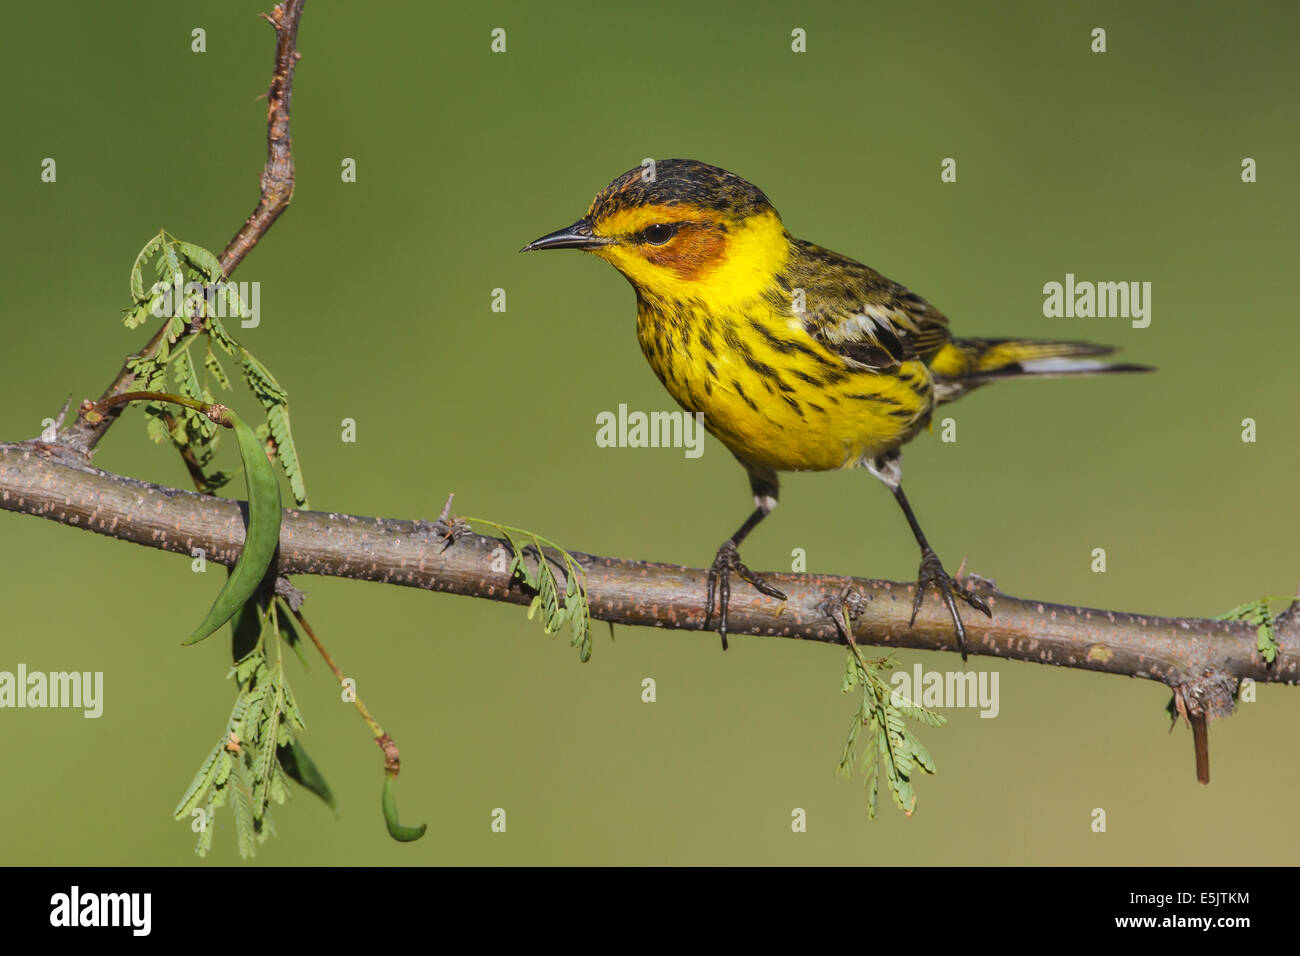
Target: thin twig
[(392, 755), (277, 189)]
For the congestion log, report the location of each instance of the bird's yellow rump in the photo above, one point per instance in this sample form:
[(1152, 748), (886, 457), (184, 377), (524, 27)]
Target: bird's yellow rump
[(798, 358)]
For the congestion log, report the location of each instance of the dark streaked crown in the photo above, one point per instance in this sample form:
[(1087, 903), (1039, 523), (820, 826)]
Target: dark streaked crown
[(680, 181)]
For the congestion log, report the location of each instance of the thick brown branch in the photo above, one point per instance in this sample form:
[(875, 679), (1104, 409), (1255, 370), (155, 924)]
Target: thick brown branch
[(277, 190), (1204, 659)]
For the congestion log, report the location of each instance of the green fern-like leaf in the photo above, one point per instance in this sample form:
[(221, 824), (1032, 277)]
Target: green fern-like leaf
[(871, 781), (210, 772), (213, 366), (241, 801), (169, 266), (275, 400), (286, 451), (201, 782), (890, 746), (914, 711), (261, 381), (205, 263), (220, 335), (229, 302), (244, 768), (150, 250), (206, 831), (1258, 613), (531, 566), (279, 789)]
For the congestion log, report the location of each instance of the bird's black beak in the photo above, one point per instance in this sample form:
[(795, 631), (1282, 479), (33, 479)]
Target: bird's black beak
[(577, 236)]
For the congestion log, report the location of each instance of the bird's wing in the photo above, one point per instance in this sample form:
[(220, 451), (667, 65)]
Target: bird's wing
[(867, 319)]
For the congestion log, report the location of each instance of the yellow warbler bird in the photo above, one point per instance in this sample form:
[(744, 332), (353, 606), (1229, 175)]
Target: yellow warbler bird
[(798, 358)]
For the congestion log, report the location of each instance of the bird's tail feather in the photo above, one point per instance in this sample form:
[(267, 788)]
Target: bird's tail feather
[(965, 364)]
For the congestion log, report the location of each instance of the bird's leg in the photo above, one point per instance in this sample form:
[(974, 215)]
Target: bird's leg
[(932, 572), (727, 561), (888, 468)]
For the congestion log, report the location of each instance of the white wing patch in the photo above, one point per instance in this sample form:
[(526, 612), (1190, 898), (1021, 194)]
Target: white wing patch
[(867, 323)]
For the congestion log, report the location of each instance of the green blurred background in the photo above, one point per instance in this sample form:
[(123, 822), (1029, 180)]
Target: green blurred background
[(376, 307)]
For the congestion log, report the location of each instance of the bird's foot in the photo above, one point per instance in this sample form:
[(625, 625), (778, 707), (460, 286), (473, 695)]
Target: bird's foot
[(726, 563), (932, 573)]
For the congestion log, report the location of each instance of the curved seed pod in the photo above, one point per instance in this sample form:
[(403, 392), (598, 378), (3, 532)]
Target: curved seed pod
[(263, 531), (402, 834)]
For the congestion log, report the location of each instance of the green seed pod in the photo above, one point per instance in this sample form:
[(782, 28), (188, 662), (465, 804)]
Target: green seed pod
[(263, 531), (397, 831)]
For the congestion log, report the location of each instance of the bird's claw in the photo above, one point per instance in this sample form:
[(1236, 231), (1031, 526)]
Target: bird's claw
[(932, 573), (726, 563)]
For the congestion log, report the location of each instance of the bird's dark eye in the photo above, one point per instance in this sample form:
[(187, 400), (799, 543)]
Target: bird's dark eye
[(659, 233)]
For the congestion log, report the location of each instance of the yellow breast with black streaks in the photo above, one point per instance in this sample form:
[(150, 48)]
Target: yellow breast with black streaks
[(771, 392)]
